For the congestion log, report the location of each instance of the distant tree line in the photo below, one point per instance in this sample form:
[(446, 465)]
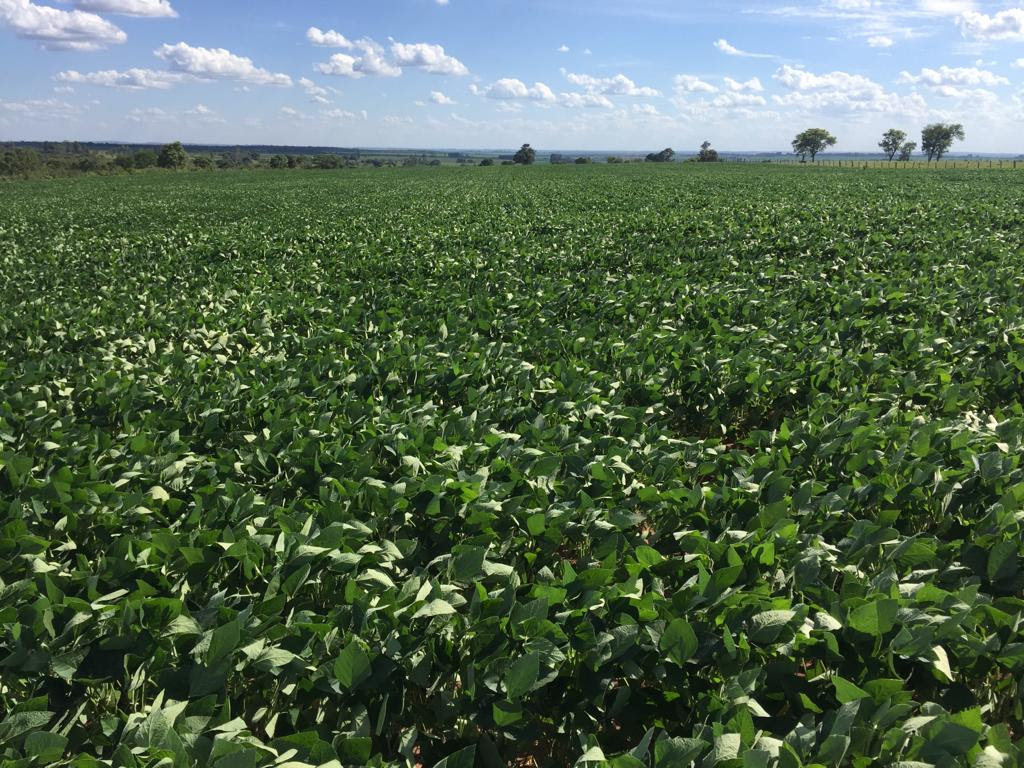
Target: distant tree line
[(936, 141), (73, 158)]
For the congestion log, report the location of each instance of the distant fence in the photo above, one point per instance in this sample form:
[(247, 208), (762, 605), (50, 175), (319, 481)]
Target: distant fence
[(961, 163)]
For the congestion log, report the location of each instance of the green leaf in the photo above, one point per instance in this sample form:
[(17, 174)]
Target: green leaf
[(675, 752), (19, 723), (464, 758), (468, 563), (506, 713), (223, 642), (875, 618), (766, 627), (45, 747), (352, 666), (434, 608), (679, 642), (522, 675), (847, 691)]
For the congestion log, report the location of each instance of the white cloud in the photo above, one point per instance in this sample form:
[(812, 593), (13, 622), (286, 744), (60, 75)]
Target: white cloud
[(510, 89), (619, 85), (881, 41), (315, 92), (203, 114), (646, 109), (427, 57), (41, 109), (692, 84), (130, 79), (1019, 63), (1004, 25), (439, 98), (751, 86), (328, 39), (734, 99), (953, 76), (149, 115), (147, 8), (342, 114), (729, 49), (587, 100), (217, 63), (373, 60), (563, 48), (371, 63), (57, 29), (841, 92)]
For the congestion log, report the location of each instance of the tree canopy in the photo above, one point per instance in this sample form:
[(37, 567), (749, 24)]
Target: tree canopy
[(812, 141), (707, 154), (665, 156), (892, 142), (525, 156), (938, 138), (173, 156)]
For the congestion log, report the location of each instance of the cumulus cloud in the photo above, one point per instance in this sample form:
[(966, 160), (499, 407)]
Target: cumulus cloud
[(753, 85), (328, 39), (585, 100), (217, 64), (134, 79), (146, 8), (201, 113), (729, 49), (1004, 25), (440, 98), (842, 92), (509, 88), (427, 57), (315, 92), (619, 85), (57, 29), (648, 110), (41, 109), (881, 41), (373, 59), (955, 76), (692, 84), (371, 63)]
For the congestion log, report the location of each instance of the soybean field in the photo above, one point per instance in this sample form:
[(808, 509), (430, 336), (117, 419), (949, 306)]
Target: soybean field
[(613, 466)]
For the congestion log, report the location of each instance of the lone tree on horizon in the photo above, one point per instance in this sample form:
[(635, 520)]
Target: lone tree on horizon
[(892, 142), (937, 138), (665, 156), (525, 156), (811, 142), (707, 154), (172, 156)]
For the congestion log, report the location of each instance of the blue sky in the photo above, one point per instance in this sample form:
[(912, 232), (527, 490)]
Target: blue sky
[(561, 74)]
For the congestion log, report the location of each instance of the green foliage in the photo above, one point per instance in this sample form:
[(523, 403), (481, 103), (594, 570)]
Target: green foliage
[(707, 154), (812, 142), (525, 156), (699, 465), (892, 142), (665, 156), (172, 156), (937, 139)]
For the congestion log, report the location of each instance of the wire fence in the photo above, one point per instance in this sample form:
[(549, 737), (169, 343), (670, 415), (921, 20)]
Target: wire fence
[(910, 165)]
